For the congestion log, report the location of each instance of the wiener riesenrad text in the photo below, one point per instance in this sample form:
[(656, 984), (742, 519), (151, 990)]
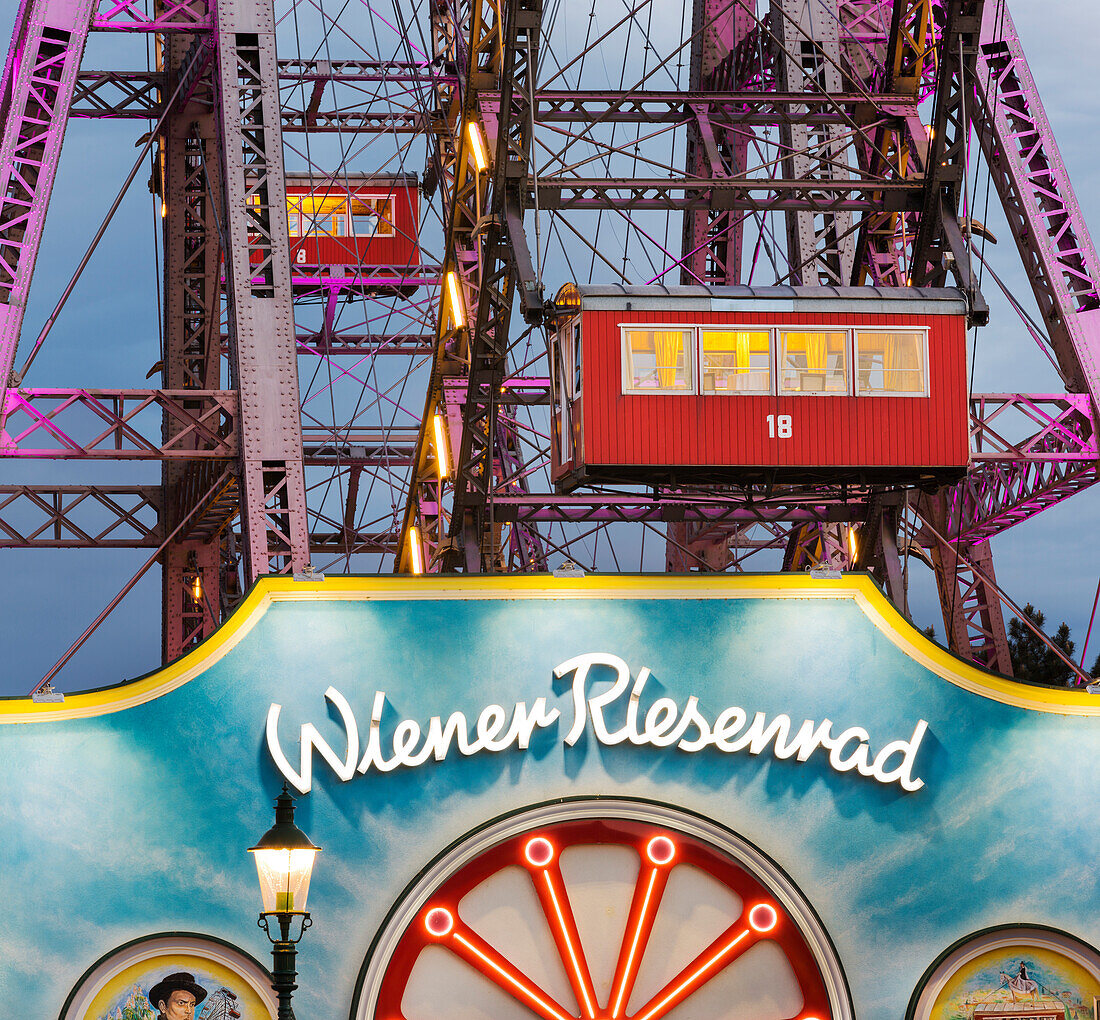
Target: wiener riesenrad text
[(664, 724)]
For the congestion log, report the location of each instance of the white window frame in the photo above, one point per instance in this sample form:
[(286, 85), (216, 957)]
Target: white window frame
[(814, 328), (923, 330), (737, 328), (692, 348), (383, 228)]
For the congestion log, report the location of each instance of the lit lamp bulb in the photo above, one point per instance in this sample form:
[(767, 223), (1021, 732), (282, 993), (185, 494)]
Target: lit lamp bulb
[(196, 587), (163, 208), (458, 316), (284, 861), (477, 144), (414, 551), (441, 461)]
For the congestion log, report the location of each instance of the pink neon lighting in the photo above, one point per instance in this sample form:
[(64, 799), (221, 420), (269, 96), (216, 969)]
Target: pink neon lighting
[(529, 993), (769, 915), (439, 921), (628, 975), (564, 930), (694, 977), (660, 849), (539, 851)]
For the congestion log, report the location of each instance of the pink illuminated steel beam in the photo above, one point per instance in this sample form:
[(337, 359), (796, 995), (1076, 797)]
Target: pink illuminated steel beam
[(79, 424), (79, 516), (1054, 427), (35, 97), (1039, 201), (1029, 452), (171, 16), (363, 278), (997, 496)]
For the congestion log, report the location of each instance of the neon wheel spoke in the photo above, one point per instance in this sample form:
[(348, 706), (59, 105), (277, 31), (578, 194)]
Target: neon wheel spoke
[(648, 891), (712, 960), (542, 862), (442, 925)]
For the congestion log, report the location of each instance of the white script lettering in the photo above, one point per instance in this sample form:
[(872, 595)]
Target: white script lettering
[(664, 725)]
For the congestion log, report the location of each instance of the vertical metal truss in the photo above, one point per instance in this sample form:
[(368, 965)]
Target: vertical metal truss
[(485, 255), (820, 246), (892, 50), (969, 600), (940, 248), (274, 522), (1060, 261), (875, 548), (1043, 213), (187, 173), (692, 545), (712, 238), (504, 262), (463, 39), (35, 97)]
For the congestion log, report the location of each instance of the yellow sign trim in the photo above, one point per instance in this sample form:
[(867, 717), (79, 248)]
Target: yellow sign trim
[(857, 587)]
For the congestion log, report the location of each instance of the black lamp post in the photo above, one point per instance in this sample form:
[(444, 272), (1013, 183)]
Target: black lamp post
[(284, 863)]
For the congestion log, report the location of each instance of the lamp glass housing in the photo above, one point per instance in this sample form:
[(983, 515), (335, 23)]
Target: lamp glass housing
[(284, 877)]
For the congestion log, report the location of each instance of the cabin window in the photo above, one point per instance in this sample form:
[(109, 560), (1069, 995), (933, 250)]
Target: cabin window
[(891, 362), (813, 361), (577, 352), (736, 361), (323, 216), (294, 215), (372, 217), (658, 360)]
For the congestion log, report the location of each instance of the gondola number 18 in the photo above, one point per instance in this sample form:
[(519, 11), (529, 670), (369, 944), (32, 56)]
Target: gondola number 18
[(779, 425)]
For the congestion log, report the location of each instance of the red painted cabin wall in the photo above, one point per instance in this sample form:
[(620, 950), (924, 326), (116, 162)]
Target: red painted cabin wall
[(669, 430)]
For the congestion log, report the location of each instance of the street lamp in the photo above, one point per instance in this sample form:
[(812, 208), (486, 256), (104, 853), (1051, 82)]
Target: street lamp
[(284, 863)]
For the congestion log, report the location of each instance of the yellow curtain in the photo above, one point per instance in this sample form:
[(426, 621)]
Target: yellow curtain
[(815, 344), (744, 349), (667, 347), (902, 364)]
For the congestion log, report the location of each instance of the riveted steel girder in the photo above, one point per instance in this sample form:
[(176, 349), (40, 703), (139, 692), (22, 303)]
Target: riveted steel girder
[(35, 95), (261, 318)]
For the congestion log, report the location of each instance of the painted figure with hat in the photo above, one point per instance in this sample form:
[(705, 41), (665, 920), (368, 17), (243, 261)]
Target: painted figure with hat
[(176, 996)]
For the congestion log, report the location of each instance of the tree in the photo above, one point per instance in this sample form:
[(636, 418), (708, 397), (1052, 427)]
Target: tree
[(1032, 658)]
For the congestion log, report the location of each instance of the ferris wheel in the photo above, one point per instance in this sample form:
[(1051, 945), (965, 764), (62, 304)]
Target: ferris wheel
[(373, 223)]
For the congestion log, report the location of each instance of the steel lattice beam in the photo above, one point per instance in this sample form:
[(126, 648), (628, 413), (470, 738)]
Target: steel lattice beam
[(760, 194), (79, 516), (261, 319), (820, 243), (712, 239), (939, 249), (101, 424), (1042, 210), (190, 187), (35, 95), (170, 16)]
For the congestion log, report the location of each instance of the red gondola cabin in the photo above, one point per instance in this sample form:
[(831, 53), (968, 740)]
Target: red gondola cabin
[(359, 219), (743, 384)]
